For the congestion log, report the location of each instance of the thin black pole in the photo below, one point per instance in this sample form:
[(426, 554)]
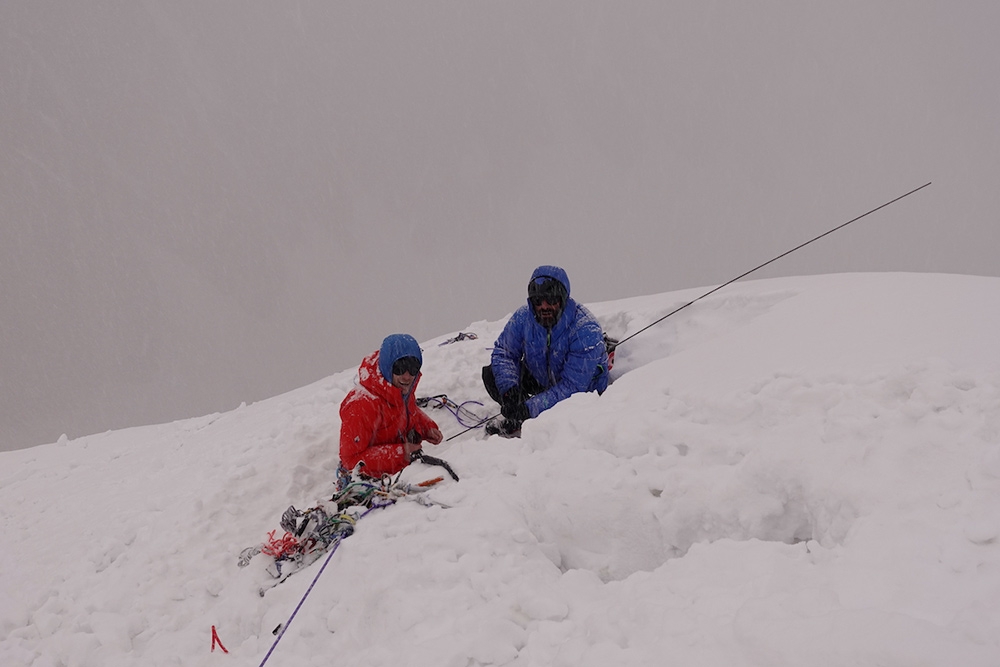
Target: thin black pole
[(789, 252), (471, 427)]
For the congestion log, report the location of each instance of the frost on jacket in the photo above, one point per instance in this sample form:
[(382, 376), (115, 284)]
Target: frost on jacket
[(568, 359), (375, 418)]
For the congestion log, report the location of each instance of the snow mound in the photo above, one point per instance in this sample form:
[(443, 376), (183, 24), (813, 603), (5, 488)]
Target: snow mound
[(792, 471)]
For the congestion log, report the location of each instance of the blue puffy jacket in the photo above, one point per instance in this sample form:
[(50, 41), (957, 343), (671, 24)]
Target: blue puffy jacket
[(568, 359)]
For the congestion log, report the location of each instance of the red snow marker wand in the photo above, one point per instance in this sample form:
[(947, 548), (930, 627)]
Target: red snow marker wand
[(217, 641)]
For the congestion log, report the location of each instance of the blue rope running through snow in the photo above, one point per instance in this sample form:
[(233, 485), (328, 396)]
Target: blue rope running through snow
[(315, 579)]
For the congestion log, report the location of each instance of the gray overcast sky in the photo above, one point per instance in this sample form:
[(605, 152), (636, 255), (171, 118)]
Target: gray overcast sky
[(203, 203)]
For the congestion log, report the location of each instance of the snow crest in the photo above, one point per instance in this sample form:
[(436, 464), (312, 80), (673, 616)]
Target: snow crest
[(793, 471)]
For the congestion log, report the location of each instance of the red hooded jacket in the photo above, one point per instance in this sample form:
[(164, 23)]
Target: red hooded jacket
[(374, 421)]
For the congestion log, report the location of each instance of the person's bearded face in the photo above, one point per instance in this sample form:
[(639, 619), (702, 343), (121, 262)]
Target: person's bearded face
[(547, 310)]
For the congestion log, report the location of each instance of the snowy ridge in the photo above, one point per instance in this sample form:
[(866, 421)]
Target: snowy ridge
[(791, 472)]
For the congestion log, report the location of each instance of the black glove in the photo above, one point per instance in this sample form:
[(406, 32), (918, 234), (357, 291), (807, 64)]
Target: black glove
[(413, 437), (516, 411)]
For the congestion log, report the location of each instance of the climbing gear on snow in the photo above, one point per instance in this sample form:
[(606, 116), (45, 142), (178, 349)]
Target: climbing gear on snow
[(284, 627), (433, 461), (461, 411), (280, 547), (311, 532), (461, 336)]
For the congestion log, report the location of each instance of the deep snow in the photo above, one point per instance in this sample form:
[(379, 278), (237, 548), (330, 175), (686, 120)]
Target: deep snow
[(796, 471)]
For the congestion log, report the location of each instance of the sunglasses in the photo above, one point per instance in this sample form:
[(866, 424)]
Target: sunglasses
[(403, 365), (536, 301)]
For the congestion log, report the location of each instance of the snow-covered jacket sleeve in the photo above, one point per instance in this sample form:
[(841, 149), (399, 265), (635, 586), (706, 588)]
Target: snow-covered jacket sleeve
[(508, 351), (422, 423), (585, 343), (360, 421)]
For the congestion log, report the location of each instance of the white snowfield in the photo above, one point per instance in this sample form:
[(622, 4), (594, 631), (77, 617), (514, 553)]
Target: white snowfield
[(798, 471)]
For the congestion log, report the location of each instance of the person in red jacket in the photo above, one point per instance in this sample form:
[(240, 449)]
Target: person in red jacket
[(380, 423)]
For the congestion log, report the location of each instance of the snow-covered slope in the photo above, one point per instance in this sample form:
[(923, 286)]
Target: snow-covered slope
[(799, 471)]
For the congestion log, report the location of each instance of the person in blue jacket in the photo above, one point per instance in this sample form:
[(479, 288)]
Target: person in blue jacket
[(551, 348)]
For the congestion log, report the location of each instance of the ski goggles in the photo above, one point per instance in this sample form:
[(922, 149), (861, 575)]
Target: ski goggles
[(403, 365)]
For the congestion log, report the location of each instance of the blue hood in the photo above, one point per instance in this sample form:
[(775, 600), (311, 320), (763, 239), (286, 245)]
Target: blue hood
[(548, 271), (396, 346)]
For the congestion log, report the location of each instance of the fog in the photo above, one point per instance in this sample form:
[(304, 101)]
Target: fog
[(193, 194)]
